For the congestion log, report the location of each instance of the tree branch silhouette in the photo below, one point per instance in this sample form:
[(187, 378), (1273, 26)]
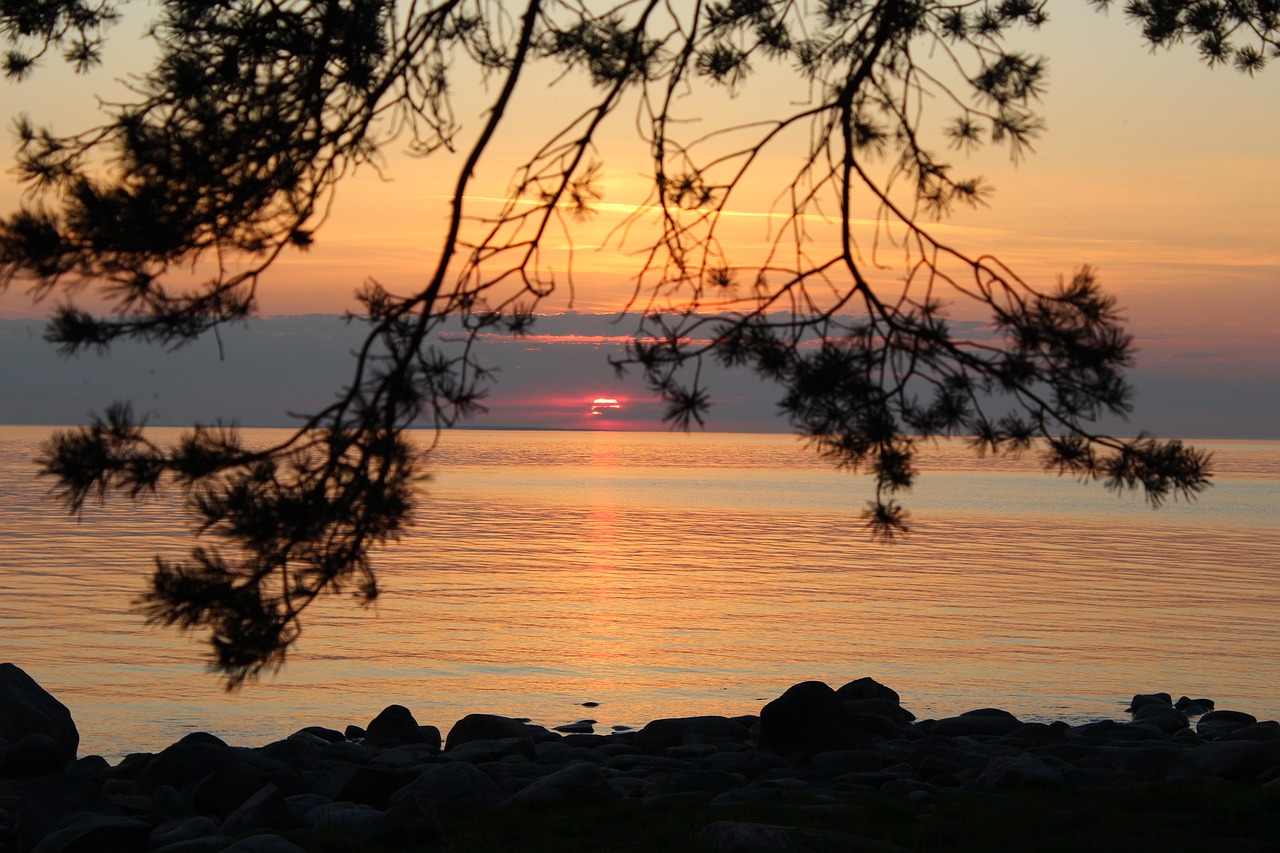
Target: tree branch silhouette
[(230, 150)]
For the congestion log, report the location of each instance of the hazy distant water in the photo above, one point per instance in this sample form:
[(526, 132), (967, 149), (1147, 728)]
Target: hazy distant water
[(663, 575)]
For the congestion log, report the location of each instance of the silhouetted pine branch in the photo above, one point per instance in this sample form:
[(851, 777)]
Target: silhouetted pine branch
[(227, 155)]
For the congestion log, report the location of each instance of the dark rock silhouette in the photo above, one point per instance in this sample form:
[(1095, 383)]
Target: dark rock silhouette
[(808, 717), (388, 790), (27, 709)]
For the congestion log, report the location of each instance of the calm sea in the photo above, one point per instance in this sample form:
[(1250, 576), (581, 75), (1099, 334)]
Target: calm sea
[(662, 574)]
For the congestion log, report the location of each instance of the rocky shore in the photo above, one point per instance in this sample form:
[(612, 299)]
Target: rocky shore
[(387, 785)]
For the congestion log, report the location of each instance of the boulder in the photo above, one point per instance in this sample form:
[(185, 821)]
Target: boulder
[(868, 688), (1111, 731), (26, 708), (330, 735), (1141, 699), (485, 727), (35, 755), (98, 834), (808, 717), (264, 844), (706, 782), (1216, 724), (395, 725), (454, 784), (405, 757), (1030, 735), (1148, 763), (366, 786), (1268, 732), (239, 772), (1238, 717), (359, 823), (579, 784), (48, 802), (480, 751), (178, 831), (677, 731), (878, 708), (1018, 772), (581, 727), (1192, 707), (409, 825), (988, 722), (1240, 761), (266, 809), (1166, 718)]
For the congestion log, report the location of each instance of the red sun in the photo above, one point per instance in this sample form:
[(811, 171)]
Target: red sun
[(603, 405)]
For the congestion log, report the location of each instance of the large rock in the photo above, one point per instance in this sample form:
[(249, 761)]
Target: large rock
[(395, 726), (1215, 724), (366, 786), (35, 755), (217, 779), (455, 784), (575, 783), (358, 823), (486, 727), (50, 802), (868, 688), (266, 809), (1166, 718), (1149, 699), (677, 731), (1241, 761), (183, 830), (1018, 772), (808, 717), (269, 843), (988, 722), (98, 834), (26, 708)]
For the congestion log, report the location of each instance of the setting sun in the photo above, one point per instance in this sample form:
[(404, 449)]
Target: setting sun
[(600, 405)]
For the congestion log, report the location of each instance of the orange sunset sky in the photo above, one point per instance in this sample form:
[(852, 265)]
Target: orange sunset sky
[(1161, 173)]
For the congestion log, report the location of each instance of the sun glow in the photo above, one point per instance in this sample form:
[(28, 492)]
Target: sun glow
[(601, 405)]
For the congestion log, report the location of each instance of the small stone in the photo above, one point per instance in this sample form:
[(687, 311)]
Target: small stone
[(581, 727), (1186, 704)]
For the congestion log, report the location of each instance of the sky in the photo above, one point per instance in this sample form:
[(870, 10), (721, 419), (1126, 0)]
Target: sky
[(1157, 171)]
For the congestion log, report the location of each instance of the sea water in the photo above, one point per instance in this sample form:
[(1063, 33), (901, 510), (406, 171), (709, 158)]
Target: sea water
[(663, 574)]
